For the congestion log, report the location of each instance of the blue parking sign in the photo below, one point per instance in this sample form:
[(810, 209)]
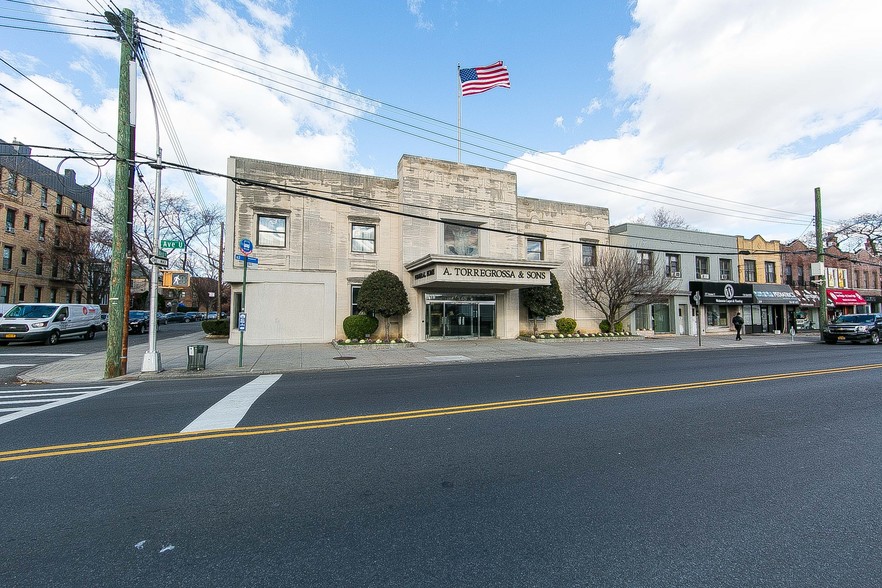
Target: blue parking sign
[(246, 246)]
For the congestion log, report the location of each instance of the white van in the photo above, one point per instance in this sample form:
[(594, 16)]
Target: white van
[(49, 322)]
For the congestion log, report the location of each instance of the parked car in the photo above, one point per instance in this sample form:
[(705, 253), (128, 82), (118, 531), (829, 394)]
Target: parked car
[(139, 321), (211, 316), (160, 319), (49, 322), (103, 321), (175, 317), (858, 328), (192, 316)]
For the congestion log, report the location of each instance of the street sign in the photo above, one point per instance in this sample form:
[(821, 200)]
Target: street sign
[(241, 321), (161, 253), (246, 246), (159, 261), (244, 257), (172, 244)]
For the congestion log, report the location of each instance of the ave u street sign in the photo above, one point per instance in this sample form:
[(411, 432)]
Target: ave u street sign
[(172, 244)]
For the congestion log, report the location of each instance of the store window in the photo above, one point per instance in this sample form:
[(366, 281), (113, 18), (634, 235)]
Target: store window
[(771, 276), (750, 270), (589, 254), (672, 265), (535, 250), (364, 238), (461, 240), (271, 231)]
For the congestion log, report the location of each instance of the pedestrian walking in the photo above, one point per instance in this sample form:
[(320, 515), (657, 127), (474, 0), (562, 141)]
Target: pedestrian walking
[(737, 322)]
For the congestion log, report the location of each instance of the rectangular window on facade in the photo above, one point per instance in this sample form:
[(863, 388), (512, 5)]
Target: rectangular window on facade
[(702, 268), (38, 293), (364, 238), (38, 268), (644, 261), (44, 197), (53, 295), (271, 231), (535, 250), (27, 222), (10, 220), (800, 275), (4, 293), (867, 283), (788, 274), (672, 265), (750, 270), (355, 309), (460, 240), (57, 240), (79, 296), (22, 290), (29, 185), (69, 298), (54, 269), (73, 210), (12, 184), (725, 269), (24, 256), (41, 230), (589, 255), (7, 257), (771, 276), (59, 204)]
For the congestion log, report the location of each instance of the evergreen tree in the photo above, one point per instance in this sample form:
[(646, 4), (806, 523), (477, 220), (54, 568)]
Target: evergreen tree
[(543, 300), (383, 293)]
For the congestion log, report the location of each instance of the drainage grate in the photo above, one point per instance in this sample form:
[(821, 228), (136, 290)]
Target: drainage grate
[(344, 357)]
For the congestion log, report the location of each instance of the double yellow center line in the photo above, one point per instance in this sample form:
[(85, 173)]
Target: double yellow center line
[(145, 441)]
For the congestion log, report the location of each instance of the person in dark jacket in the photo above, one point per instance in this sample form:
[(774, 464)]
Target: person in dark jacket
[(737, 322)]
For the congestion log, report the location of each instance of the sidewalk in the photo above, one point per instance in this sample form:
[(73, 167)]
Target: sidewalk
[(223, 358)]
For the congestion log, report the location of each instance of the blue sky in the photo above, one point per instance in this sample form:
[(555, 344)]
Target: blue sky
[(726, 113)]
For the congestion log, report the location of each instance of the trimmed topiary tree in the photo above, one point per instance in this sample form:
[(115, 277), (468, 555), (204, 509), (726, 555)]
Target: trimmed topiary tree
[(383, 293), (543, 301), (359, 326), (605, 327), (566, 326)]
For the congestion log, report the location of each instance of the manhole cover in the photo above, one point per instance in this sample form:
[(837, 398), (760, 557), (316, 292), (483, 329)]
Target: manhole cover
[(344, 357)]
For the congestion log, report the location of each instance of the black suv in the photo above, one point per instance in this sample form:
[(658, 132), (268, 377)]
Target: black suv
[(139, 321), (854, 327)]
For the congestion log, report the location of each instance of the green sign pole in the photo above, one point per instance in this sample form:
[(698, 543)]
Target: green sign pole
[(241, 332)]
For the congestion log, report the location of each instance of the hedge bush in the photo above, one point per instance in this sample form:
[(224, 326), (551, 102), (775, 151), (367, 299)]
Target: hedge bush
[(605, 327), (566, 326), (620, 328), (216, 327), (359, 326)]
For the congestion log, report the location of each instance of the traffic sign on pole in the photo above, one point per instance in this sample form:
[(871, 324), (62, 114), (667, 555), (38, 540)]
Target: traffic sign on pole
[(159, 261), (246, 246), (172, 244)]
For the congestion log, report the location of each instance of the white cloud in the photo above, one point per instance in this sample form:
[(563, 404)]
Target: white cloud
[(559, 122), (754, 103), (592, 107), (415, 7)]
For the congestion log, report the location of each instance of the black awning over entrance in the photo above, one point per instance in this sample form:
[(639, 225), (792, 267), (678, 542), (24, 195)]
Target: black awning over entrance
[(721, 293)]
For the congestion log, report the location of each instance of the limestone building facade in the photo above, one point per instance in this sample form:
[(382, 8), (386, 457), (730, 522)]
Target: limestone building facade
[(458, 236)]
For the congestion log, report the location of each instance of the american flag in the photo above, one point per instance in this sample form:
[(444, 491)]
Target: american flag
[(475, 80)]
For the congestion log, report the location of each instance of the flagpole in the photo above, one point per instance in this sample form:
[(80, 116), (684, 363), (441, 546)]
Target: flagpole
[(458, 116)]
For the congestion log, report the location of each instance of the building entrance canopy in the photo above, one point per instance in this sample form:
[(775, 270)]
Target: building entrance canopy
[(808, 297), (774, 294), (474, 273), (841, 297)]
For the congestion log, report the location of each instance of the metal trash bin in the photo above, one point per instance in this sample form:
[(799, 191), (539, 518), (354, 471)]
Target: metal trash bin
[(196, 357)]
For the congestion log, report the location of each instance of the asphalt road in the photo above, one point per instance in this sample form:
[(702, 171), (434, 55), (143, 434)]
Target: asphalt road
[(740, 468)]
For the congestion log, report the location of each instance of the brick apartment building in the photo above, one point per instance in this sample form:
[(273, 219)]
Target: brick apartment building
[(46, 234)]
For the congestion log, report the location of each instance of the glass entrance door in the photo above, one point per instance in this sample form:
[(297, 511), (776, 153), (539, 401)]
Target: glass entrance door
[(460, 315)]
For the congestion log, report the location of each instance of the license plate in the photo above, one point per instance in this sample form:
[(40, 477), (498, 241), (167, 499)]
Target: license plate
[(10, 335), (841, 338)]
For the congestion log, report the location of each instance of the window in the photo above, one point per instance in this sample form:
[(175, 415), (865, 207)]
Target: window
[(57, 240), (800, 275), (53, 295), (672, 265), (589, 254), (69, 297), (73, 210), (29, 185), (534, 250), (4, 293), (12, 184), (38, 269), (38, 293), (24, 256), (22, 290), (875, 281), (364, 238), (41, 231), (79, 296), (725, 269), (10, 220), (788, 274), (867, 283), (644, 261), (355, 290), (27, 222), (770, 272), (44, 197), (7, 257), (702, 265), (750, 270), (271, 231), (54, 269), (460, 240), (58, 204)]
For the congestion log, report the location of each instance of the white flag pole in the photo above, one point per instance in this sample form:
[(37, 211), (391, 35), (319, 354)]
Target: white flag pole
[(459, 117)]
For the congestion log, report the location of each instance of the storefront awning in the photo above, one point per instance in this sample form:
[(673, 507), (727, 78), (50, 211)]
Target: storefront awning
[(720, 293), (808, 297), (476, 273), (774, 294), (841, 297)]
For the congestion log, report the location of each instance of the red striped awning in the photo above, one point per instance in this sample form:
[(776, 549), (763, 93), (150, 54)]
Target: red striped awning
[(841, 297)]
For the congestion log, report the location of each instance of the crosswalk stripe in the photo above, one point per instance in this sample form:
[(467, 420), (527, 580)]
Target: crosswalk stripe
[(27, 411), (227, 412)]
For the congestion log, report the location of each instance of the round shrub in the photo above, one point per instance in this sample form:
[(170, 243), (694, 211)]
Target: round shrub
[(620, 328), (359, 326), (605, 327), (216, 327), (566, 326)]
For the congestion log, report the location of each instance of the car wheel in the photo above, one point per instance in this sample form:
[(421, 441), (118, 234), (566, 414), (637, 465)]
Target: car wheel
[(89, 335), (874, 338), (4, 343), (186, 320), (53, 338)]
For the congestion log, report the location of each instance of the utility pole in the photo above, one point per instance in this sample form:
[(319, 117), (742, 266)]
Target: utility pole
[(220, 271), (120, 268), (822, 287)]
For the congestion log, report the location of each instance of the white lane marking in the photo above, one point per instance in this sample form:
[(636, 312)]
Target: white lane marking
[(62, 401), (227, 412), (35, 394), (6, 365), (40, 354)]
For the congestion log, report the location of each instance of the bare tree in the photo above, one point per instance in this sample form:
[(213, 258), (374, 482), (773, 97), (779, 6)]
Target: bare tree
[(619, 284), (863, 229), (662, 217)]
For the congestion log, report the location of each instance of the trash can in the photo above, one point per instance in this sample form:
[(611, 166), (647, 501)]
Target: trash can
[(196, 356)]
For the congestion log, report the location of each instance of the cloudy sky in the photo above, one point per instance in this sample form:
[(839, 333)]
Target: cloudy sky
[(728, 114)]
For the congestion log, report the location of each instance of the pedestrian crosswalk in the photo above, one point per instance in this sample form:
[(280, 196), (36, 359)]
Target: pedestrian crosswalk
[(15, 404)]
